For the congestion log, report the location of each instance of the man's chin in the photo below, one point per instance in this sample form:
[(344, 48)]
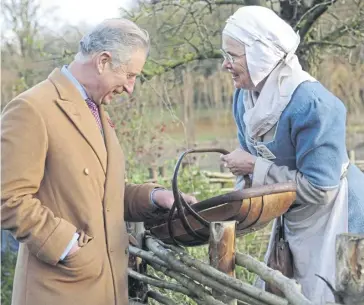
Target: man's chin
[(107, 99)]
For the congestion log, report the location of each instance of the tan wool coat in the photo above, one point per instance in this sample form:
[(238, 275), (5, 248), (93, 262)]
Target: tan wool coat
[(61, 175)]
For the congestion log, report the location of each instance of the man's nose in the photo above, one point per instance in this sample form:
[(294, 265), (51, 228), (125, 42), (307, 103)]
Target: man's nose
[(129, 87)]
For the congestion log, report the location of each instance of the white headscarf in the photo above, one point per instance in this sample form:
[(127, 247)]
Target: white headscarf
[(270, 44)]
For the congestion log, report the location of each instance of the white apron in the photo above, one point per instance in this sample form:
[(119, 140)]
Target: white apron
[(311, 233)]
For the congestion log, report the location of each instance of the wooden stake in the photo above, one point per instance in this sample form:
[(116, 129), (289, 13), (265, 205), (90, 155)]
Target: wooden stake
[(137, 289), (222, 252), (350, 268)]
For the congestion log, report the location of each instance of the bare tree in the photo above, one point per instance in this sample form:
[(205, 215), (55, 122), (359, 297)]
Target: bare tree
[(21, 17), (30, 49), (189, 31), (183, 31)]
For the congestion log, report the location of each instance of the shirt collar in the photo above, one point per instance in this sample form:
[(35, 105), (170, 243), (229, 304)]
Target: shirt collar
[(79, 87)]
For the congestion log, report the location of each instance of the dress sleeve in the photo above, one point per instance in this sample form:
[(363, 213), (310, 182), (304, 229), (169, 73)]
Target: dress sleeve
[(318, 134)]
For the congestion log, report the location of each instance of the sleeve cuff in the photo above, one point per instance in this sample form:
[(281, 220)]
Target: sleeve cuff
[(58, 240), (70, 245), (261, 169)]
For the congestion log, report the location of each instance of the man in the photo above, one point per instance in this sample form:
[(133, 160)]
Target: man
[(63, 192)]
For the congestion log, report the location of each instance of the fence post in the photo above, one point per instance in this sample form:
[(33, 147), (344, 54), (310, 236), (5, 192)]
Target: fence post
[(137, 289), (222, 252), (350, 268)]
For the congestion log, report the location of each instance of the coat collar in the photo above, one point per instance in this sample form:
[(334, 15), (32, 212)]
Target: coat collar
[(75, 107)]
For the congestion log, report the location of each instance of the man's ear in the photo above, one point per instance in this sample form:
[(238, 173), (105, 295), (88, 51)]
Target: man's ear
[(102, 61)]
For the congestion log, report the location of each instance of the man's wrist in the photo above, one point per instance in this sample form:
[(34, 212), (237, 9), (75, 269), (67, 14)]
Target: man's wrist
[(73, 241)]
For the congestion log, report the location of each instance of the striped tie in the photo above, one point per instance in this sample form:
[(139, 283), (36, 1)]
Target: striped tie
[(95, 112)]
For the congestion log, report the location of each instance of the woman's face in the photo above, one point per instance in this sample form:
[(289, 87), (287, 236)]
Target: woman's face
[(235, 63)]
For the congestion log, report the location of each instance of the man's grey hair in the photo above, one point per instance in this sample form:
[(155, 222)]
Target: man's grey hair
[(120, 37)]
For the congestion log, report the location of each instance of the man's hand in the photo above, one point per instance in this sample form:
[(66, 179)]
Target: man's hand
[(239, 162), (165, 199)]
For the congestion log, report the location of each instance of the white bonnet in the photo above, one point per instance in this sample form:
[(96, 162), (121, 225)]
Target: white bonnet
[(267, 39)]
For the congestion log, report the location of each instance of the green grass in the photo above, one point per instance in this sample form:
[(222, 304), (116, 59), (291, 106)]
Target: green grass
[(8, 261)]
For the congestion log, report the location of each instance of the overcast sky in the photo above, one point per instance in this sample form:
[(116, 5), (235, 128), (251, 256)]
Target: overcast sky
[(85, 11), (73, 12)]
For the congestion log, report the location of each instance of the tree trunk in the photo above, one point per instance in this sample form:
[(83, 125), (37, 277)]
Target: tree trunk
[(188, 108)]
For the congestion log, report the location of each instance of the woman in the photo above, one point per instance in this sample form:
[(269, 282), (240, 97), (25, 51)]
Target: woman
[(291, 128)]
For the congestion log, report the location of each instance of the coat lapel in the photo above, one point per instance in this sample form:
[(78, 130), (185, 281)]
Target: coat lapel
[(115, 160), (73, 105)]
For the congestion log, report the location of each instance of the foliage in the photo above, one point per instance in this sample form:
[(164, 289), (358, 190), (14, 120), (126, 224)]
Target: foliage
[(31, 49), (140, 137), (8, 260), (183, 84), (183, 31), (193, 180), (351, 91)]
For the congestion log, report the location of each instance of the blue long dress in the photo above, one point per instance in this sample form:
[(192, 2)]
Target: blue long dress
[(309, 145)]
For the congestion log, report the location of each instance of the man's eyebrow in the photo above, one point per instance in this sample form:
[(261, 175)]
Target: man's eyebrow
[(134, 73)]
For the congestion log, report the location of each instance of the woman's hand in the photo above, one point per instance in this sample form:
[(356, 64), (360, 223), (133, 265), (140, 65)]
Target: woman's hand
[(239, 162)]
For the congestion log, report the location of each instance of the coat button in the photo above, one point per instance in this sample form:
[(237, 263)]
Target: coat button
[(126, 251), (86, 171)]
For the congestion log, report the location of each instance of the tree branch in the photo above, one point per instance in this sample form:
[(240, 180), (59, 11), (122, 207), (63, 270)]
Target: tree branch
[(198, 290), (160, 298), (330, 38), (326, 44), (148, 74), (157, 283), (311, 17), (297, 26), (287, 286), (148, 256), (196, 275), (238, 2), (342, 30), (234, 283)]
